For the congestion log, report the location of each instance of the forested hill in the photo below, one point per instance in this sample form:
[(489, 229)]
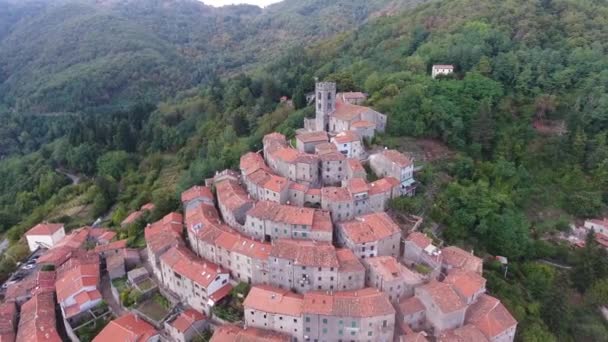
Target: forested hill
[(67, 55)]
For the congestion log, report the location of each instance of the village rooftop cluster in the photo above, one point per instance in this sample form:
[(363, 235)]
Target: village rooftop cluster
[(299, 223)]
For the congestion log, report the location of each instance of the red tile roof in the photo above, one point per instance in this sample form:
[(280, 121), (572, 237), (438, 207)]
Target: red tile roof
[(390, 269), (346, 137), (252, 162), (38, 322), (348, 112), (419, 239), (409, 306), (367, 302), (186, 319), (397, 158), (466, 283), (383, 185), (134, 216), (355, 165), (221, 293), (363, 124), (73, 283), (120, 244), (231, 195), (465, 333), (458, 258), (8, 321), (490, 316), (128, 327), (197, 192), (182, 261), (369, 227), (306, 252), (44, 229), (233, 333), (348, 261), (245, 246), (317, 219), (357, 185), (308, 137), (148, 207), (274, 300), (336, 194), (444, 296)]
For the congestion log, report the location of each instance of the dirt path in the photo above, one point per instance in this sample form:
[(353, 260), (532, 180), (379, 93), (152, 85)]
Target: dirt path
[(106, 293), (74, 178)]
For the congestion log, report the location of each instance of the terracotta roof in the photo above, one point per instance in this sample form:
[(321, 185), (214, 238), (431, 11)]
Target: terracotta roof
[(348, 261), (357, 185), (78, 257), (465, 333), (355, 165), (111, 246), (409, 306), (134, 216), (336, 194), (44, 229), (274, 300), (419, 239), (332, 156), (414, 337), (101, 234), (390, 269), (148, 207), (45, 281), (249, 247), (397, 158), (233, 333), (8, 321), (274, 136), (286, 154), (601, 239), (458, 258), (182, 261), (346, 111), (231, 195), (251, 162), (313, 192), (490, 316), (325, 147), (444, 296), (363, 124), (38, 322), (222, 292), (297, 187), (602, 222), (308, 137), (306, 252), (367, 302), (186, 319), (467, 283), (369, 227), (346, 137), (383, 185), (317, 219), (196, 192), (128, 327), (74, 281)]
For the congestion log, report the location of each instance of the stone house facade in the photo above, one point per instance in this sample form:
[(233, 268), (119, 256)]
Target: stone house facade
[(370, 235)]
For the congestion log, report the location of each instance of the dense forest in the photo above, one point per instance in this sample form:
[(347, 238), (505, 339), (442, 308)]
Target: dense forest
[(510, 188), (70, 55)]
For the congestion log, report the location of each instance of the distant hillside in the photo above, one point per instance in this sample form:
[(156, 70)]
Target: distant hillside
[(72, 54)]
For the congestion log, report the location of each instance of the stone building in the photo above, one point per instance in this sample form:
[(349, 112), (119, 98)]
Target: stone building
[(288, 162), (234, 333), (354, 169), (186, 325), (260, 182), (307, 141), (309, 265), (389, 276), (339, 202), (195, 195), (349, 144), (269, 221), (361, 315), (199, 283), (233, 201), (453, 257), (419, 249), (370, 235), (491, 317), (391, 163), (332, 164), (445, 309)]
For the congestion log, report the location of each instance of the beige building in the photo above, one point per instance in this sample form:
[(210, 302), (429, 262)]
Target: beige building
[(491, 317), (269, 221), (361, 315), (442, 69), (419, 249), (288, 162), (186, 326), (370, 235), (307, 141), (392, 163), (389, 276), (44, 235), (309, 265), (339, 202), (333, 167), (445, 309), (453, 257), (199, 283), (354, 169), (260, 182)]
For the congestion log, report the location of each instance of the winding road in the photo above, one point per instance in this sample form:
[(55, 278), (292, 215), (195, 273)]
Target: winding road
[(74, 178)]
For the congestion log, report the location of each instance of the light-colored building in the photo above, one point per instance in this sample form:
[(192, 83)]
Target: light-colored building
[(598, 226), (411, 314), (491, 317), (310, 265), (370, 235), (469, 285), (160, 237), (445, 309), (333, 167), (128, 327), (197, 194), (199, 283), (233, 201), (355, 98), (307, 141), (442, 69), (260, 182), (453, 257), (361, 315), (339, 202), (186, 325), (349, 144), (77, 290), (419, 249), (392, 163), (45, 235), (354, 169), (269, 221), (389, 276)]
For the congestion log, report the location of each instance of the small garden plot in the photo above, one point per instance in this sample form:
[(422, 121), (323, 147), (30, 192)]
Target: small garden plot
[(156, 308)]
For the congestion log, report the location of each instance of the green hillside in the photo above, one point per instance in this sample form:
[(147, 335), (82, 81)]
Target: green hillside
[(75, 54)]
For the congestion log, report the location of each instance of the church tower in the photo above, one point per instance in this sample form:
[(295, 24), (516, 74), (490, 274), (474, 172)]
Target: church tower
[(325, 102)]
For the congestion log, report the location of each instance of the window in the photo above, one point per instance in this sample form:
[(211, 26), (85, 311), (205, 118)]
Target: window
[(324, 320), (307, 329), (369, 333), (325, 330), (307, 318)]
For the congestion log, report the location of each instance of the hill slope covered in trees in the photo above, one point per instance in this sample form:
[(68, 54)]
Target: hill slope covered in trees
[(68, 55)]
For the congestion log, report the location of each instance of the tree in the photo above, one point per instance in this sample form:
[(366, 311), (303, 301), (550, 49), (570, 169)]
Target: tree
[(591, 264), (114, 164), (299, 98)]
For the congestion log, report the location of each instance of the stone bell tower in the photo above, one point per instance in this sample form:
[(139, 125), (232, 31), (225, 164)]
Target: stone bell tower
[(325, 102)]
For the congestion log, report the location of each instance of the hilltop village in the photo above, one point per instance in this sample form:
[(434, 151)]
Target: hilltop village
[(299, 226)]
